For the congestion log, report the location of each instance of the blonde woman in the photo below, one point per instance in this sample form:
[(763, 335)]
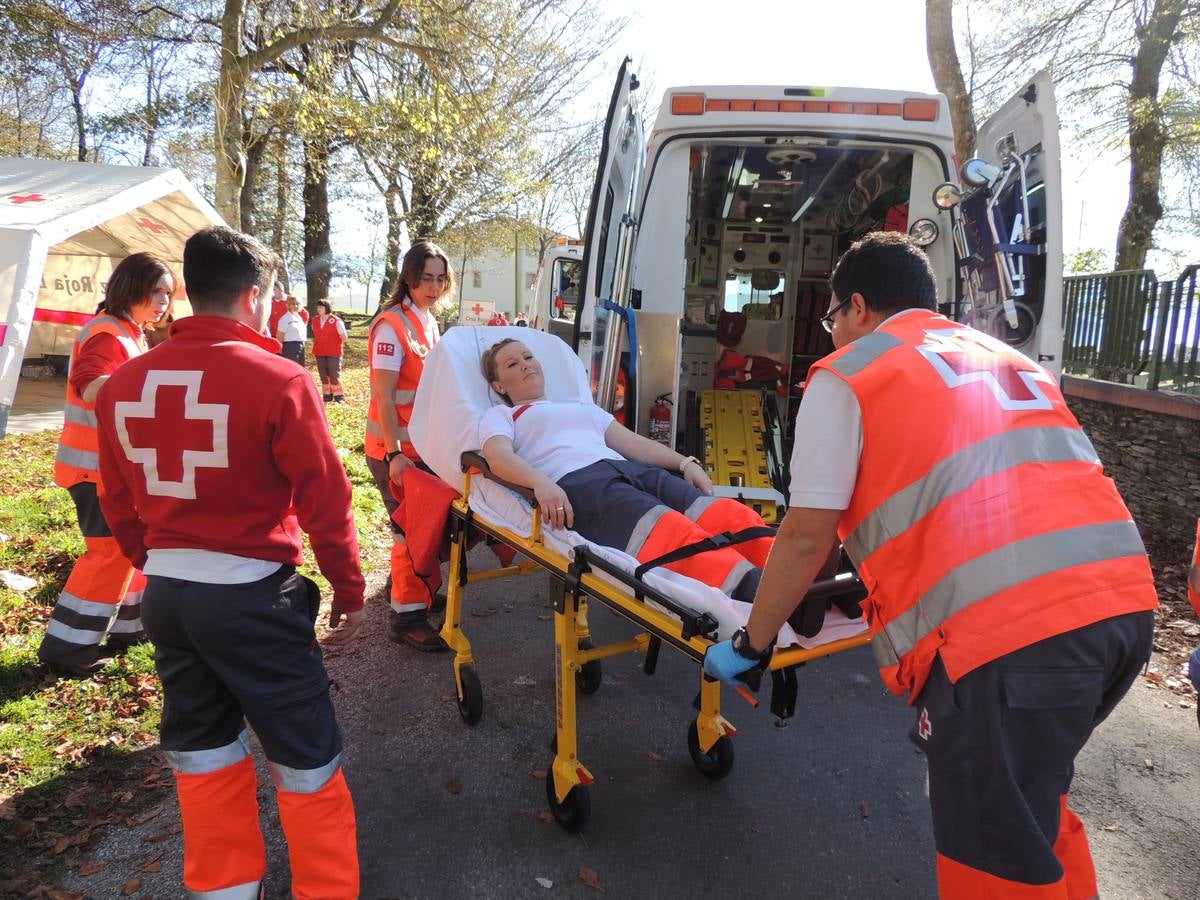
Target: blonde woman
[(401, 336)]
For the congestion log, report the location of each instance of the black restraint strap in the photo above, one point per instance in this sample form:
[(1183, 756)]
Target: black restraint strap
[(716, 542)]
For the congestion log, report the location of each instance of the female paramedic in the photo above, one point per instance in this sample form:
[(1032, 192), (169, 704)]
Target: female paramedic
[(103, 594), (607, 483), (401, 336)]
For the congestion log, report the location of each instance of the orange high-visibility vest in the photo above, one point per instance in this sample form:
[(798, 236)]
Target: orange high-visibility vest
[(326, 339), (411, 330), (77, 459), (981, 521), (1194, 574)]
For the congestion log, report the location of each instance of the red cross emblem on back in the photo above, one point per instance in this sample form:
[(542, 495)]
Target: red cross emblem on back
[(26, 198), (170, 433), (151, 226), (962, 356)]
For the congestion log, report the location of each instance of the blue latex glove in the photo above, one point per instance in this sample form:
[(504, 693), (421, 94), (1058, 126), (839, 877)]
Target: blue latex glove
[(726, 664)]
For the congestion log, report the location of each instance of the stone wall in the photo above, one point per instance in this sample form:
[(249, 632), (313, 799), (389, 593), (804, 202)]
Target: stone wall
[(1149, 443)]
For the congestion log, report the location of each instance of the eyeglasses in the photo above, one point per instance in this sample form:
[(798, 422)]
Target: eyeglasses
[(827, 319), (433, 279)]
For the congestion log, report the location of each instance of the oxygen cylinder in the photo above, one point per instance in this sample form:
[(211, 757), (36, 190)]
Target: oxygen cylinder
[(660, 420)]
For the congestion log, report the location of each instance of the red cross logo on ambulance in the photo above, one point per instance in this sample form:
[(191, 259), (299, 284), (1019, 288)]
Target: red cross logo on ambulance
[(964, 357), (171, 434)]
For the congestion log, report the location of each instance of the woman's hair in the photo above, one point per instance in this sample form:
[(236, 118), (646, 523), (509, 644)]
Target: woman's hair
[(133, 281), (323, 304), (414, 265), (488, 362)]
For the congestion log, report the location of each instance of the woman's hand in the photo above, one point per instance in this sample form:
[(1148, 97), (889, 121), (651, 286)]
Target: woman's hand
[(694, 474), (396, 468), (552, 500)]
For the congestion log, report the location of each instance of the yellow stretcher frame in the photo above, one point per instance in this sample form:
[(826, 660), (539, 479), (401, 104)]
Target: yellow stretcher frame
[(577, 661)]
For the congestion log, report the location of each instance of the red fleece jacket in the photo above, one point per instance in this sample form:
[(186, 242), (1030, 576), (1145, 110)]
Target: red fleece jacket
[(212, 442)]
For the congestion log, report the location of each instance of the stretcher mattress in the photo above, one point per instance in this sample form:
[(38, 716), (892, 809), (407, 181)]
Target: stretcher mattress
[(454, 395)]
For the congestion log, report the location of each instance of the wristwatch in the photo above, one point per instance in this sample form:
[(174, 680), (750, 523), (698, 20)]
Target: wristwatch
[(683, 463), (743, 648), (390, 455)]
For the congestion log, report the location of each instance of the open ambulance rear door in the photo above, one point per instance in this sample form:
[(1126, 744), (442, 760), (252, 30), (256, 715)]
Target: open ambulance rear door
[(600, 321), (1010, 242)]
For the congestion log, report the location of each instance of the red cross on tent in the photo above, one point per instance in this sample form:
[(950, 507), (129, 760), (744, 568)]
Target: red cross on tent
[(151, 226), (477, 309), (26, 198)]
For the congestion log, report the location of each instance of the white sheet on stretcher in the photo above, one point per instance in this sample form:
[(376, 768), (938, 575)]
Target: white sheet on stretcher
[(454, 395)]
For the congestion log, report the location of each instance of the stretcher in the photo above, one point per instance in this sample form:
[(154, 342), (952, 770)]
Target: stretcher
[(735, 450), (665, 608)]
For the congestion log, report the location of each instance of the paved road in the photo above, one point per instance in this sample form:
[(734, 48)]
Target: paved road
[(832, 806)]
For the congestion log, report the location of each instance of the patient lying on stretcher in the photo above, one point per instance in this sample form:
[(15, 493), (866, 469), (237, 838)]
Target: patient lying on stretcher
[(610, 485)]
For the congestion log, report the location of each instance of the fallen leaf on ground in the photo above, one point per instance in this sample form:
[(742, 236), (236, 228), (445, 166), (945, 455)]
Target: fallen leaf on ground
[(75, 798), (8, 807), (544, 618), (52, 894), (864, 809), (539, 774), (483, 613), (152, 864), (453, 786), (590, 878), (1110, 827), (657, 757), (131, 887), (144, 817), (545, 816), (1149, 764), (545, 882), (23, 827), (89, 869), (754, 829)]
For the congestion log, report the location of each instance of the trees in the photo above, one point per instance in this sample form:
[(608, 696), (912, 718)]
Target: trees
[(947, 73)]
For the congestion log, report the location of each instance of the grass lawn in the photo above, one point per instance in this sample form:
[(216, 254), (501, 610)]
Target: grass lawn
[(80, 754)]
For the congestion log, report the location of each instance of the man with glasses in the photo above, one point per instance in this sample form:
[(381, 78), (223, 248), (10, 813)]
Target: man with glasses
[(1010, 594)]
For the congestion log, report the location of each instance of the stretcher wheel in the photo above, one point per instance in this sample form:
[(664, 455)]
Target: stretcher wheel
[(718, 761), (470, 704), (589, 675), (573, 813)]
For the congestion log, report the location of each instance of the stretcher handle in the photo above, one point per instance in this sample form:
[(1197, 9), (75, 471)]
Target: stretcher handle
[(474, 459)]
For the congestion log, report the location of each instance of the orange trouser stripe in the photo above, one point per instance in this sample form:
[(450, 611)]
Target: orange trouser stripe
[(322, 841), (715, 567), (961, 882), (407, 586), (222, 843), (1075, 856), (102, 574), (727, 514)]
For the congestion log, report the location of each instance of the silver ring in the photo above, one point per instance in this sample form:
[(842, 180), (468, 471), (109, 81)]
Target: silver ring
[(560, 507)]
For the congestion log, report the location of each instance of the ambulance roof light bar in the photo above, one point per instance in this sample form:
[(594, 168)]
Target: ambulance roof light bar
[(916, 109)]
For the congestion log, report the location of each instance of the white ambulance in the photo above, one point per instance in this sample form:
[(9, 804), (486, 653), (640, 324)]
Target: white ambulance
[(741, 202)]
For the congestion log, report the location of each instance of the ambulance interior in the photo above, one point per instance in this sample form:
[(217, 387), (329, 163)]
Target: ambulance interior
[(766, 220)]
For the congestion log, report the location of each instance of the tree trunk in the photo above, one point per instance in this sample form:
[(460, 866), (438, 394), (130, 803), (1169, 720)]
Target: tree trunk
[(227, 132), (1147, 137), (422, 215), (255, 150), (391, 257), (279, 220), (318, 254), (947, 74), (80, 121)]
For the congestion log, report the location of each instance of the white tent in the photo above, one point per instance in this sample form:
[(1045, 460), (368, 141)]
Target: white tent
[(63, 227)]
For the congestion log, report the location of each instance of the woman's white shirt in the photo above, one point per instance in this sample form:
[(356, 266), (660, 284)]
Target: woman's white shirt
[(292, 326), (554, 437)]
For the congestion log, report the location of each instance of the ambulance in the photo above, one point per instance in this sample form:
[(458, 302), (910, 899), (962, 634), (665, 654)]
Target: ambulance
[(709, 246)]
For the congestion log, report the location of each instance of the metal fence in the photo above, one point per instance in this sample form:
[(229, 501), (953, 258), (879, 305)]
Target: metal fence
[(1131, 328)]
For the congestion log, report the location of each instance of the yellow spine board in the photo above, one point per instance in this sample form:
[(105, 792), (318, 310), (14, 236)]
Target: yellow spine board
[(734, 450)]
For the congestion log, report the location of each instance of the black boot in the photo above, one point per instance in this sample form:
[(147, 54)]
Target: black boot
[(413, 628), (328, 398)]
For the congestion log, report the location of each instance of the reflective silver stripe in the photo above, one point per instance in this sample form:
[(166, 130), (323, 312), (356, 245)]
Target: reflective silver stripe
[(248, 891), (402, 434), (132, 598), (77, 415), (86, 607), (201, 762), (374, 429), (958, 472), (80, 459), (81, 637), (126, 626), (641, 531), (865, 351), (1007, 567), (735, 576), (884, 654), (304, 781), (699, 507), (404, 398), (414, 334)]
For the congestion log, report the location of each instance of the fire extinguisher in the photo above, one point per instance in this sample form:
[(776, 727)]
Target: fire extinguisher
[(660, 419)]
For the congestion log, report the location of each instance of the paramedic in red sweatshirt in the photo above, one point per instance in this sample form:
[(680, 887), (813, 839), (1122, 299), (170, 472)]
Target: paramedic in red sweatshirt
[(215, 454)]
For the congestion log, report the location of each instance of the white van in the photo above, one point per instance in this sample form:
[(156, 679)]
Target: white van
[(744, 197)]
